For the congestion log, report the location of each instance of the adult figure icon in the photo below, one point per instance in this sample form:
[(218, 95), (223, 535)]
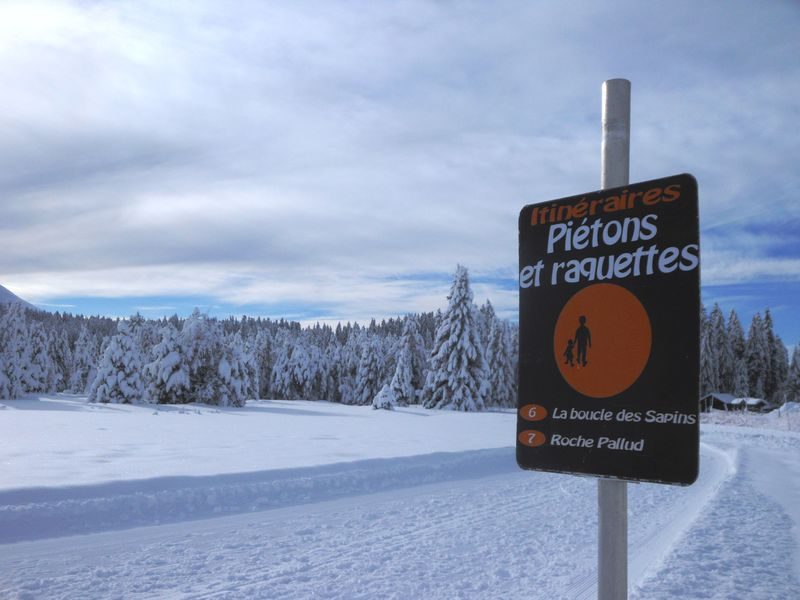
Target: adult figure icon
[(583, 339)]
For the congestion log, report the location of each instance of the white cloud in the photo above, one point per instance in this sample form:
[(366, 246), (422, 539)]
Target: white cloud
[(330, 153)]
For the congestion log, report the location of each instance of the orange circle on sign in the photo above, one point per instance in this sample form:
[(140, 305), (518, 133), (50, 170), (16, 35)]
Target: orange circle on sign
[(602, 340)]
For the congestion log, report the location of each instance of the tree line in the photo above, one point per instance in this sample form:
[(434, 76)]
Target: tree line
[(756, 365), (462, 358)]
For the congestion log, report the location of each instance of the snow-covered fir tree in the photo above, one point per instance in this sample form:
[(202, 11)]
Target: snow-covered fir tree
[(777, 362), (250, 364), (14, 350), (781, 366), (419, 353), (84, 361), (262, 353), (723, 357), (232, 369), (333, 357), (347, 367), (59, 356), (384, 399), (315, 372), (401, 386), (38, 368), (389, 351), (736, 339), (369, 377), (741, 382), (216, 370), (302, 372), (281, 385), (119, 375), (5, 384), (502, 376), (708, 372), (757, 356), (168, 370), (771, 384), (792, 387), (486, 319), (457, 377), (298, 372)]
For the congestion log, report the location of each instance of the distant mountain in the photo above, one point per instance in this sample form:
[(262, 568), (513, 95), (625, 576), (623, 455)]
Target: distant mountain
[(7, 297)]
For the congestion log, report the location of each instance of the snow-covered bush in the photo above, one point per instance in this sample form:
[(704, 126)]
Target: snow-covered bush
[(385, 399)]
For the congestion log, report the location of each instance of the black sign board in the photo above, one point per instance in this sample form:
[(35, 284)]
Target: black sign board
[(609, 333)]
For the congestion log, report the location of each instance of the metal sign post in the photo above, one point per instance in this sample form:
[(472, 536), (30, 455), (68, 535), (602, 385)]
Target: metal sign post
[(612, 495), (609, 336)]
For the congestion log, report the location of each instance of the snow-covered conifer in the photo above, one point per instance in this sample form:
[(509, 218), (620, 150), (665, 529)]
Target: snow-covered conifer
[(757, 356), (780, 366), (59, 356), (722, 356), (412, 339), (232, 371), (168, 371), (5, 384), (281, 374), (14, 349), (298, 371), (741, 382), (736, 339), (38, 368), (84, 361), (250, 364), (301, 371), (771, 378), (333, 357), (502, 376), (347, 368), (315, 379), (792, 387), (119, 375), (457, 378), (708, 374), (401, 386), (777, 362), (369, 377), (384, 399), (486, 319), (262, 353), (216, 370)]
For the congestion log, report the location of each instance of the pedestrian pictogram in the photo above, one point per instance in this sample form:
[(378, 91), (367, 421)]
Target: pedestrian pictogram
[(607, 336)]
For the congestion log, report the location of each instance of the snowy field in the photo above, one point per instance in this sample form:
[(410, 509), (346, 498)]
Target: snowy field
[(316, 500)]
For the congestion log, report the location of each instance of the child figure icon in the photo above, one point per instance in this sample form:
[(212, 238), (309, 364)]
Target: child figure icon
[(570, 360)]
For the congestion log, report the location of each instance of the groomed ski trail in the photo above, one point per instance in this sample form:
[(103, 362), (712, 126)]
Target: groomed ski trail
[(505, 535)]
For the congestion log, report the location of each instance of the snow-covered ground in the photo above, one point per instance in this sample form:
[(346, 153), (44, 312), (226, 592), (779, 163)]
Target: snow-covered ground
[(318, 500)]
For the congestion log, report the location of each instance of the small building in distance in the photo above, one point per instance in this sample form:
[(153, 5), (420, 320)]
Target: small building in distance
[(723, 401), (756, 404)]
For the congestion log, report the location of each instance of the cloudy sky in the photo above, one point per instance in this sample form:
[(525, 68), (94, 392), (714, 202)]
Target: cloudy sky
[(335, 160)]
